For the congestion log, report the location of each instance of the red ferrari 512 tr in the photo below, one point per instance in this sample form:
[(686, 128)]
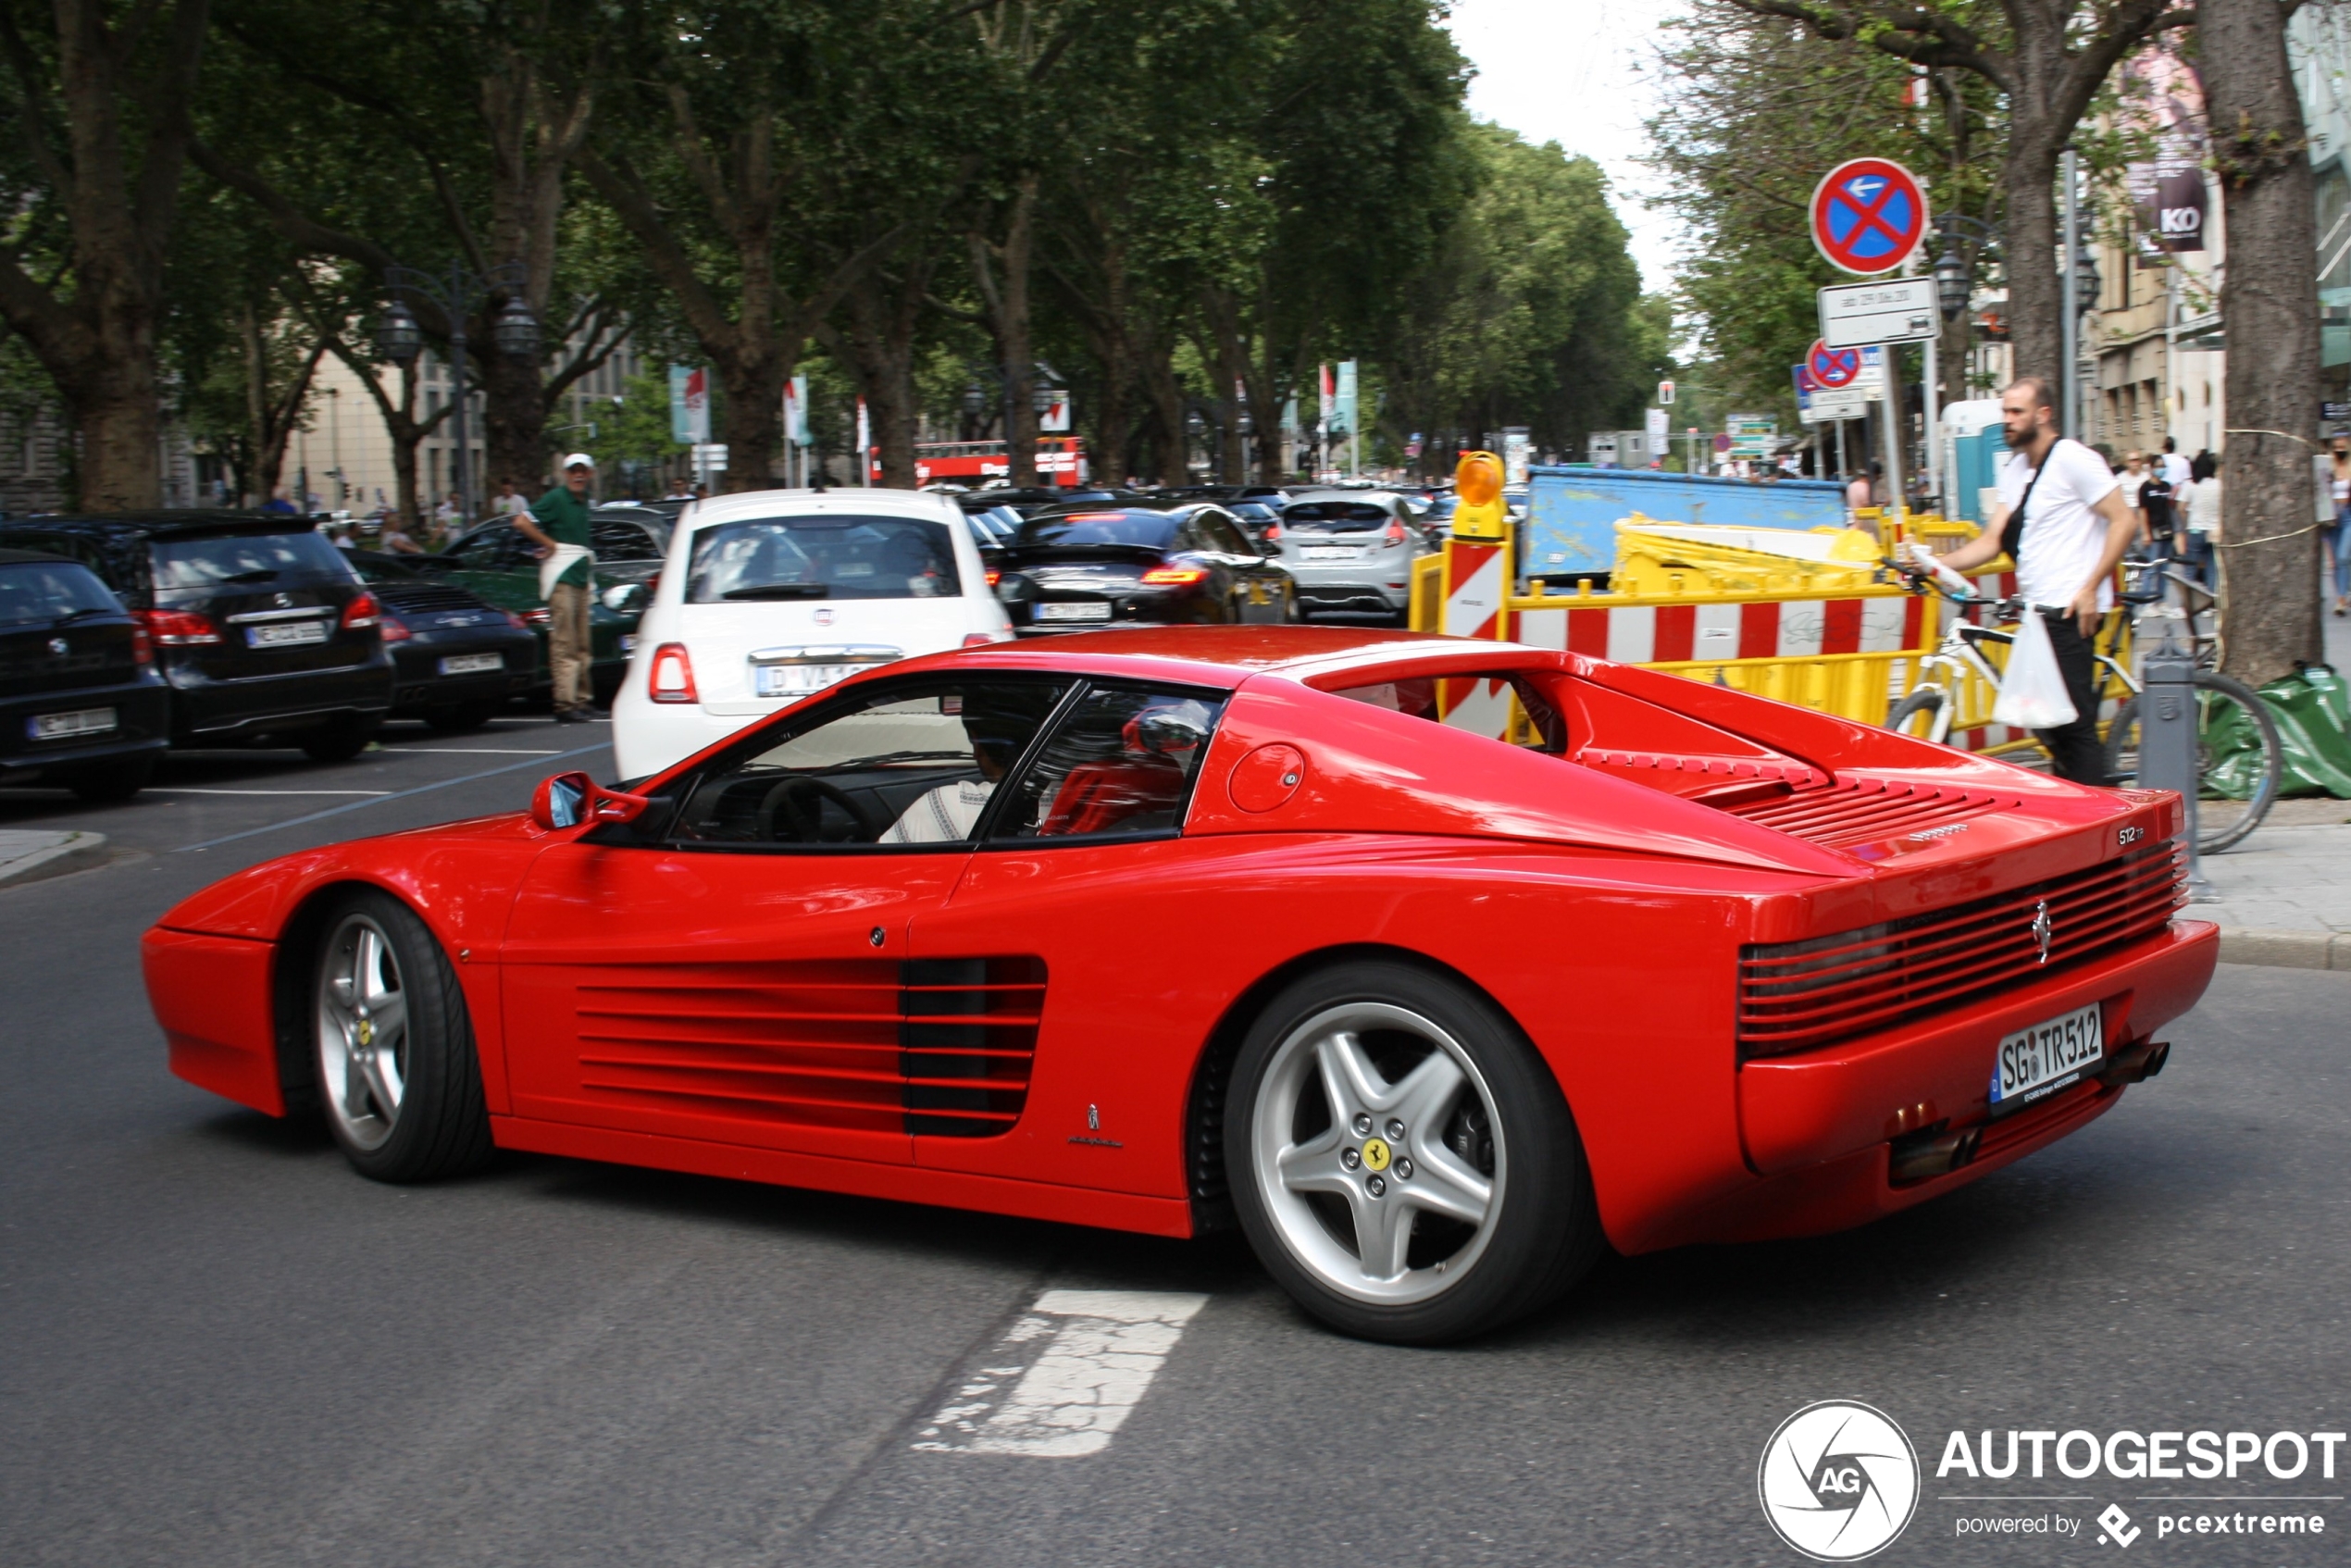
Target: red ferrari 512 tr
[(1171, 930)]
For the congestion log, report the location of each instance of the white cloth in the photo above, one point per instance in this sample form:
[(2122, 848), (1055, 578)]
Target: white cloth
[(2175, 468), (942, 815), (2132, 484), (2063, 537), (558, 562), (2204, 507)]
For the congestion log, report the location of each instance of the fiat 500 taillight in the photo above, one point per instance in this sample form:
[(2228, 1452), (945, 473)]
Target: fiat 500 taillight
[(671, 679)]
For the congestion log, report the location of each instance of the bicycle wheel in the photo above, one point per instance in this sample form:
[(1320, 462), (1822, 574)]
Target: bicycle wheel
[(2239, 760), (1915, 714)]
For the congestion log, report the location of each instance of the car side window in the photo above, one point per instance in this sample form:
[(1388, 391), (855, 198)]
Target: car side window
[(1223, 536), (622, 541), (482, 551), (1536, 722), (892, 766), (1122, 759)]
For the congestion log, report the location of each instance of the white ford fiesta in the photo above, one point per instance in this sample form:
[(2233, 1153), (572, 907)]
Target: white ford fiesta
[(770, 594)]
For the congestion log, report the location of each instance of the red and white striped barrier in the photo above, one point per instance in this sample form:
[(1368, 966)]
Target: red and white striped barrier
[(1702, 631)]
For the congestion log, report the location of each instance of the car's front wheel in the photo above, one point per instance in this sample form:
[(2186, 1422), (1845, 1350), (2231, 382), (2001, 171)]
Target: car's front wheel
[(393, 1045), (1401, 1158)]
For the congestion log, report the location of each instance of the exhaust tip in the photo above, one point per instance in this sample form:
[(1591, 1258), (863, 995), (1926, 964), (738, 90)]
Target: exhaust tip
[(1923, 1156)]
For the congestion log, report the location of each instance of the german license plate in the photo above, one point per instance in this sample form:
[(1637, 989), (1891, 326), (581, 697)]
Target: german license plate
[(1329, 553), (2035, 1062), (285, 634), (82, 721), (795, 680), (472, 663), (1073, 612), (628, 642)]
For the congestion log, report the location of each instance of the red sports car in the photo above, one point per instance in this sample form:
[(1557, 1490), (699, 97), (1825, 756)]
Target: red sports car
[(1173, 931)]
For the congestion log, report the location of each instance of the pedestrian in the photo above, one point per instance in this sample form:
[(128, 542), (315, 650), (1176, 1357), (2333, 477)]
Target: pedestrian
[(2133, 476), (2175, 469), (2203, 519), (2160, 505), (509, 501), (2339, 540), (2060, 517), (277, 503), (557, 523), (394, 539)]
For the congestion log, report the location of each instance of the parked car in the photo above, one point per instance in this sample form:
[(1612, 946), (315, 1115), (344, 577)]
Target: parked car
[(1182, 563), (80, 702), (1170, 931), (499, 564), (261, 627), (456, 658), (1350, 551), (769, 595)]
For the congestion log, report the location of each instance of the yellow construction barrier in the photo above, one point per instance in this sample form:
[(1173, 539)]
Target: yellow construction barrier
[(1668, 559)]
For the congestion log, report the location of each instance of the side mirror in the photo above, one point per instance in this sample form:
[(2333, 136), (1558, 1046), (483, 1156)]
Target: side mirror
[(569, 799), (626, 598)]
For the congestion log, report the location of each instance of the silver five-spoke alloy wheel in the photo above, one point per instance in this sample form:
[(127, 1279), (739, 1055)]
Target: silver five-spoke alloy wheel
[(362, 1032), (1379, 1152)]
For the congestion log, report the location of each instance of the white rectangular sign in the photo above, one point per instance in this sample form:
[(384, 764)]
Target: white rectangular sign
[(1847, 404), (1900, 310)]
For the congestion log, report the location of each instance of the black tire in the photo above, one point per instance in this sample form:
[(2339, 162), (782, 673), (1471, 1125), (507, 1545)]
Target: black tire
[(2217, 829), (339, 740), (439, 1124), (1540, 1232), (1927, 700), (459, 717), (116, 781)]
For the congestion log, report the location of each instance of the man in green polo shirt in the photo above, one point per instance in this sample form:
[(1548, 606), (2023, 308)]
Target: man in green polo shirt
[(557, 523)]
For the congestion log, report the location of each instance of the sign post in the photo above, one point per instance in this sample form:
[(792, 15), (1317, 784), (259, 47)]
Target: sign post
[(1867, 217)]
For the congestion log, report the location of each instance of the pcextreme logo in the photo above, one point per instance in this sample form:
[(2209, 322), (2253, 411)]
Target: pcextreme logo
[(1838, 1481)]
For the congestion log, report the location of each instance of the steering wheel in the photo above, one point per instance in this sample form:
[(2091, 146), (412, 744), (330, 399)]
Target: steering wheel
[(787, 806)]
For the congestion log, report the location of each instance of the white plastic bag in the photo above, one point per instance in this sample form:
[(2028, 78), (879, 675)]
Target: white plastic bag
[(2033, 694)]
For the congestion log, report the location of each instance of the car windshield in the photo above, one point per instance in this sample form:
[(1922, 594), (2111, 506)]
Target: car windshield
[(241, 558), (1150, 530), (36, 592), (825, 556), (1334, 517)]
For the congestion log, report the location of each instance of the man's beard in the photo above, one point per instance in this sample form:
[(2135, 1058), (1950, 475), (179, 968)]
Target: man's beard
[(2020, 442)]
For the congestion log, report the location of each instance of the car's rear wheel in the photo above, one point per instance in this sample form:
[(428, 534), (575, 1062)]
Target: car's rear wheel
[(394, 1046), (338, 739), (116, 781), (1402, 1161)]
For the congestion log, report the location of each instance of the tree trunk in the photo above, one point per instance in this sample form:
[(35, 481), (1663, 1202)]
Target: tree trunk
[(2269, 544), (752, 420), (2036, 299), (1165, 396), (1002, 273), (883, 318)]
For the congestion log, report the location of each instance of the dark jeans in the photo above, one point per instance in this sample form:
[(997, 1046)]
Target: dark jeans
[(2075, 748)]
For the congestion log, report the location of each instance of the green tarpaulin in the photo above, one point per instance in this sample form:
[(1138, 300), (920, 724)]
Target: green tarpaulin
[(2313, 719)]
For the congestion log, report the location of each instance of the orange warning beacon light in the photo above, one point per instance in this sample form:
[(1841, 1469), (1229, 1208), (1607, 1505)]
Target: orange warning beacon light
[(1477, 484)]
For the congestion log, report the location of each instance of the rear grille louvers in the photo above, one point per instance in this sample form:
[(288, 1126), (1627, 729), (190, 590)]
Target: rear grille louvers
[(938, 1047), (1864, 810), (1794, 996), (421, 598)]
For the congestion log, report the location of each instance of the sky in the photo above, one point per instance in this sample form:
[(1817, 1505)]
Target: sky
[(1562, 70)]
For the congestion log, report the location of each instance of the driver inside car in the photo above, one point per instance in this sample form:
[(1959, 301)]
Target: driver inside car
[(951, 811)]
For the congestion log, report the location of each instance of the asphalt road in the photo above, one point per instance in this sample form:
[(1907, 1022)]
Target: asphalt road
[(218, 1345)]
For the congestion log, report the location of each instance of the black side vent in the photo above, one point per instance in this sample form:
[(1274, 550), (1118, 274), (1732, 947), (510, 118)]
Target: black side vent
[(966, 1035)]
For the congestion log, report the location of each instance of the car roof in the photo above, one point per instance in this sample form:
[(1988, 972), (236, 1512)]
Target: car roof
[(740, 505), (187, 521), (18, 557)]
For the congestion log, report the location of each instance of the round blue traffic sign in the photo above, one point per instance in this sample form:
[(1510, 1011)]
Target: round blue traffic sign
[(1868, 215), (1833, 368)]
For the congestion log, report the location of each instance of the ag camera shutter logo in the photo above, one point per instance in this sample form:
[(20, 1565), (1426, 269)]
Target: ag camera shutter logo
[(1838, 1481)]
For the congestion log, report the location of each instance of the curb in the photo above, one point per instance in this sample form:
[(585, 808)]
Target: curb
[(2286, 950), (73, 852)]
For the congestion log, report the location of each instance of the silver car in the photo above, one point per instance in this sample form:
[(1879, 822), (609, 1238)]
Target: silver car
[(1350, 550)]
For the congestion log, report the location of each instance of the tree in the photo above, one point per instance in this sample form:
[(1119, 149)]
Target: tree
[(2269, 551), (100, 103), (2048, 62)]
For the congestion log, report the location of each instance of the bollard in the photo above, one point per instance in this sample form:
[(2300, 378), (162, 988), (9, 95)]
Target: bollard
[(2168, 757)]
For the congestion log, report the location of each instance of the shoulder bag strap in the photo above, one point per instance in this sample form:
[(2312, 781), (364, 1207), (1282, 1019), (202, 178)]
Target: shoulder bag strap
[(2012, 536)]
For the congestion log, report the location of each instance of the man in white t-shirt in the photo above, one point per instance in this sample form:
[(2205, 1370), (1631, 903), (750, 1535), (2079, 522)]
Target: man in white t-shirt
[(2172, 466), (2072, 527)]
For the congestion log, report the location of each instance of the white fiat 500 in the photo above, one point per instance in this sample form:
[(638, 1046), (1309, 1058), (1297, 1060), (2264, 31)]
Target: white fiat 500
[(771, 594)]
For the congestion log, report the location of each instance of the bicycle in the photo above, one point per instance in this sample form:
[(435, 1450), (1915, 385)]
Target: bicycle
[(2240, 760)]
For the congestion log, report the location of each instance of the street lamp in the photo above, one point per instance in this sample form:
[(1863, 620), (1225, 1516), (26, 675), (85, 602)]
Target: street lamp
[(456, 295), (1953, 281), (2086, 281)]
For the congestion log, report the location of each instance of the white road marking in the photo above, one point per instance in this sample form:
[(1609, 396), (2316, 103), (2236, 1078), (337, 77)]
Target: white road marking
[(190, 790), (1084, 1360), (472, 751)]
